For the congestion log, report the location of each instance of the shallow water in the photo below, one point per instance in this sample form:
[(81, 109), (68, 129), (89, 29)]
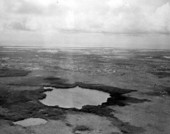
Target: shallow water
[(167, 57), (30, 122), (74, 97)]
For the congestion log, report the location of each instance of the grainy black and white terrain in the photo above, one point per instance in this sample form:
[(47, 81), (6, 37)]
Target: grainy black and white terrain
[(138, 82)]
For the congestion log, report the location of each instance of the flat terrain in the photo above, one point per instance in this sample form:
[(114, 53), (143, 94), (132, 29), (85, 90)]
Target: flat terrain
[(138, 82)]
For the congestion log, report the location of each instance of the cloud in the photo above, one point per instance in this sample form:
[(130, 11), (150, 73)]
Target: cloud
[(115, 16), (162, 19)]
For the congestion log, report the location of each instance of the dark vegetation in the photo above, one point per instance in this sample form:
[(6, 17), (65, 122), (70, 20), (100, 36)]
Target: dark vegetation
[(161, 74), (25, 104), (81, 128), (122, 100), (164, 69), (160, 91), (6, 72), (62, 83), (167, 89)]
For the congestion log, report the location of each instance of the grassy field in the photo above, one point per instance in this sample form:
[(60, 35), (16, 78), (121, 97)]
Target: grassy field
[(138, 83)]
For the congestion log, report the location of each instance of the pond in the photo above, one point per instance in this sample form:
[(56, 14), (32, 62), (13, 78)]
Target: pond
[(74, 97), (30, 122)]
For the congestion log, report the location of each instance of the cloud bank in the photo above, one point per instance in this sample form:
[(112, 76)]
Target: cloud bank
[(114, 16)]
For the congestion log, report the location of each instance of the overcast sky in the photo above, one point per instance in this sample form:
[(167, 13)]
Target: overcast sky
[(84, 16)]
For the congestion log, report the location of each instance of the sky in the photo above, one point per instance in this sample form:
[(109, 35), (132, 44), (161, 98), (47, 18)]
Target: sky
[(105, 23)]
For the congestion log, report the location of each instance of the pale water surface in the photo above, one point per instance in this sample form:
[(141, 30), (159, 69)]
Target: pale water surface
[(167, 57), (30, 122), (74, 97)]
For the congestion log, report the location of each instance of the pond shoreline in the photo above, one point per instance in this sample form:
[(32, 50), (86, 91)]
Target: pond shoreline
[(25, 104)]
